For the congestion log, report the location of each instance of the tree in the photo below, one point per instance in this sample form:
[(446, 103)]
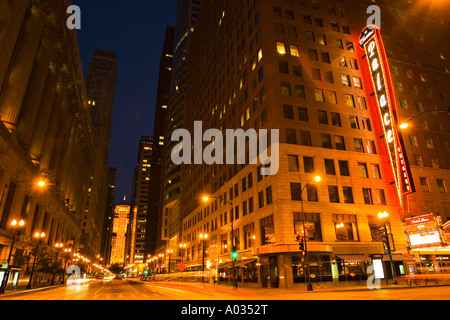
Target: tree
[(116, 268)]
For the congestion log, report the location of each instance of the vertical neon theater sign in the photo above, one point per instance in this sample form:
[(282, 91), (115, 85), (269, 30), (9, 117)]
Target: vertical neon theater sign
[(372, 42)]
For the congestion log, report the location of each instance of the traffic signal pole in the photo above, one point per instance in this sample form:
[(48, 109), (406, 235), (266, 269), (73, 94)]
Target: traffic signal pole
[(308, 285)]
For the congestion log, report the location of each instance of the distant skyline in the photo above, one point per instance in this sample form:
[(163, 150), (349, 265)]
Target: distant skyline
[(134, 30)]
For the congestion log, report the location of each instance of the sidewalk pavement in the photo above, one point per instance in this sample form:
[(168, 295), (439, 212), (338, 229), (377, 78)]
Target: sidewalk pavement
[(22, 289)]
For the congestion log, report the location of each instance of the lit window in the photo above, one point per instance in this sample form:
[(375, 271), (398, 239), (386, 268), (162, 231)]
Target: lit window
[(281, 48), (294, 51), (260, 54)]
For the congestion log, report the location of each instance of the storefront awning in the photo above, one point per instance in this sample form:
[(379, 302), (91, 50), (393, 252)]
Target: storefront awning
[(224, 265), (354, 257), (398, 257), (244, 262)]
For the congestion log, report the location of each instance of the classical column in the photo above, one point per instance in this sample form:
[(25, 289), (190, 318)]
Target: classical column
[(61, 145), (42, 119), (20, 68), (12, 14), (52, 130), (33, 98)]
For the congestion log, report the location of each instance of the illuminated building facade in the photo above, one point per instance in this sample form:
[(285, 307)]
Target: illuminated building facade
[(120, 225), (45, 127), (141, 194), (170, 215), (296, 67)]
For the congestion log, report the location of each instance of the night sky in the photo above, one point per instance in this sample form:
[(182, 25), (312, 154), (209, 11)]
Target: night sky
[(134, 30)]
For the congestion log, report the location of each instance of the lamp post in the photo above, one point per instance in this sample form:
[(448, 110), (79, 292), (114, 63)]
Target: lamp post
[(203, 238), (15, 226), (161, 257), (58, 247), (67, 255), (182, 247), (38, 236), (383, 216), (309, 286), (169, 253), (233, 280)]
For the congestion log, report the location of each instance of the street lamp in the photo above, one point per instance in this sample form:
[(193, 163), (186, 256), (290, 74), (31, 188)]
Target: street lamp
[(15, 226), (38, 236), (383, 216), (309, 285), (406, 123), (203, 238), (233, 280), (182, 247), (58, 247), (169, 253)]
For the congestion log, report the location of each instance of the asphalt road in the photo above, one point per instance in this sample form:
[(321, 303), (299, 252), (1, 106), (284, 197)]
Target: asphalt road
[(123, 290)]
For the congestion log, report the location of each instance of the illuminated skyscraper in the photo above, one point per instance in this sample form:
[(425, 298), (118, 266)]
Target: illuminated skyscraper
[(296, 67), (120, 224), (170, 219), (140, 200)]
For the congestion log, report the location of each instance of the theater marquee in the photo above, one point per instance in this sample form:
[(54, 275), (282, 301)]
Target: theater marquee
[(372, 42)]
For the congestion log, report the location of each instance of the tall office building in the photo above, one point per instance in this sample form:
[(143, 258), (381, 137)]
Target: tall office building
[(45, 128), (159, 135), (120, 225), (297, 67), (140, 200), (170, 220), (100, 86), (105, 251)]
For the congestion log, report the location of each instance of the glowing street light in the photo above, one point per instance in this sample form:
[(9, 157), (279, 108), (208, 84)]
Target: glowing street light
[(233, 273), (15, 225)]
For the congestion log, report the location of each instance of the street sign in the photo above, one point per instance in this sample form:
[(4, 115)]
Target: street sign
[(181, 267), (5, 265)]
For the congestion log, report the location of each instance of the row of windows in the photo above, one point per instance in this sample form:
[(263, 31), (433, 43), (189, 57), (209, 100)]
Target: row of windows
[(327, 141), (355, 122), (308, 19)]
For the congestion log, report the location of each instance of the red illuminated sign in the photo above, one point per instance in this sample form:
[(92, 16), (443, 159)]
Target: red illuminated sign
[(372, 43)]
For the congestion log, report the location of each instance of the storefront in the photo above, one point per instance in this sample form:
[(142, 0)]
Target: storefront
[(320, 268)]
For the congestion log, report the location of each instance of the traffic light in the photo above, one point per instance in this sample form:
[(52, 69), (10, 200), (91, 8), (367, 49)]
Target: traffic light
[(234, 253), (301, 245)]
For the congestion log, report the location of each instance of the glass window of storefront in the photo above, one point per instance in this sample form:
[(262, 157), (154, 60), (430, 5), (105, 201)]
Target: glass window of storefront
[(352, 270), (250, 272), (320, 268)]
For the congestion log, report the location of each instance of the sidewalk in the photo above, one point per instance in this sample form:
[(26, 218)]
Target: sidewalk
[(22, 289)]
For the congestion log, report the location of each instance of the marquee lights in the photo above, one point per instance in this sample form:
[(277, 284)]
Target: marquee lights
[(372, 43)]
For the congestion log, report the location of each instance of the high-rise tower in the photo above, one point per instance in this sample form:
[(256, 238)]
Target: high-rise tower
[(297, 67), (140, 199), (100, 86), (170, 219)]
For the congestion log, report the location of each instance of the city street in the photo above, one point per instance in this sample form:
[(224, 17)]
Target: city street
[(104, 290)]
